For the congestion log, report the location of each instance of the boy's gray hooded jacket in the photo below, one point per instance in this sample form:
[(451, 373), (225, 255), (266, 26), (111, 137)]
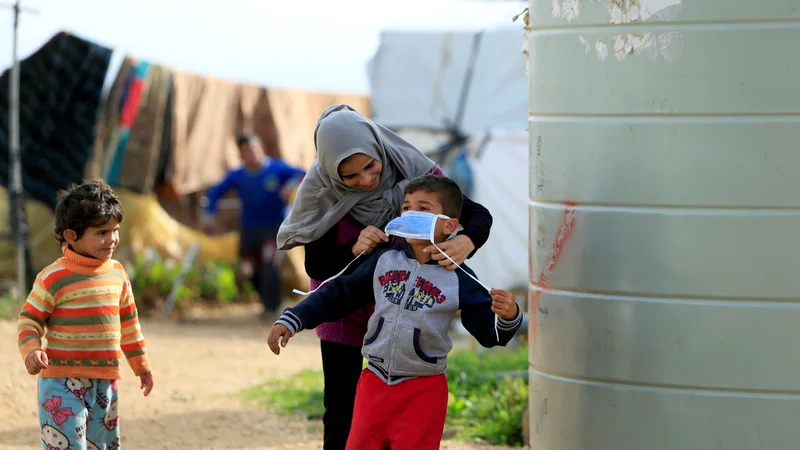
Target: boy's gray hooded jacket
[(407, 335)]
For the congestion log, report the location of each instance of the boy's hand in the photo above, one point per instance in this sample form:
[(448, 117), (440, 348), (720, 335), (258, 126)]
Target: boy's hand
[(147, 382), (277, 332), (457, 248), (369, 238), (503, 304), (36, 361)]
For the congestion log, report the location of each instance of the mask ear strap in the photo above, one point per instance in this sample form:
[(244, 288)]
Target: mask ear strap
[(488, 289), (297, 291)]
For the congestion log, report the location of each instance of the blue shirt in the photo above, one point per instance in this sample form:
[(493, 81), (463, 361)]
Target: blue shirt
[(259, 192)]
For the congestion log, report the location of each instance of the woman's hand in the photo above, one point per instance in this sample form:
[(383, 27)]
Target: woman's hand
[(279, 336), (458, 248), (369, 238)]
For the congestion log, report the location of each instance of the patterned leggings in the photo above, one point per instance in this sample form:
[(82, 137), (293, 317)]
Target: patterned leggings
[(78, 414)]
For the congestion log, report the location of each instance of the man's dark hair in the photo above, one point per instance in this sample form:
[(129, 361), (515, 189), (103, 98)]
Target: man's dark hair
[(244, 139), (91, 204), (450, 195)]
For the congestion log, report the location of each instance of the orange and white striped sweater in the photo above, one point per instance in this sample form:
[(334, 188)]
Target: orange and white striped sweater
[(84, 309)]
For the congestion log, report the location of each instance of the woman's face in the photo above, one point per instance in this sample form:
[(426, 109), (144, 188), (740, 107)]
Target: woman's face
[(361, 172)]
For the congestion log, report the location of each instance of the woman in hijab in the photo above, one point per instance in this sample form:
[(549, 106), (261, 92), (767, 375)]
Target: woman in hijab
[(353, 189)]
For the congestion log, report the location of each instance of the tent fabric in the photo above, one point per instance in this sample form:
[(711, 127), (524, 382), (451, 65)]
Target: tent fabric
[(296, 113), (60, 88), (206, 115), (417, 77), (500, 170)]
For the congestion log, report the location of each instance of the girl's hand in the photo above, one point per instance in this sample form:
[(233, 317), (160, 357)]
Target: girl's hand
[(147, 382), (503, 304), (458, 248), (36, 361), (369, 238)]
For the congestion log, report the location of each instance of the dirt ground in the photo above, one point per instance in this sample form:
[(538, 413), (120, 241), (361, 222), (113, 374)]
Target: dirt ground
[(198, 364)]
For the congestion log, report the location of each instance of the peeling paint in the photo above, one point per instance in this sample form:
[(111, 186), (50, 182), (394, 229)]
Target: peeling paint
[(587, 48), (566, 9), (671, 46), (650, 45), (602, 50), (526, 43), (626, 11), (630, 44)]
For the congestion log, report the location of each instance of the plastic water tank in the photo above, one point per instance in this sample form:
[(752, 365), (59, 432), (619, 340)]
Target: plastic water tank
[(665, 224)]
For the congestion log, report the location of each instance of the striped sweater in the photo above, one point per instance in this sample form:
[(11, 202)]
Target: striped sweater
[(85, 306)]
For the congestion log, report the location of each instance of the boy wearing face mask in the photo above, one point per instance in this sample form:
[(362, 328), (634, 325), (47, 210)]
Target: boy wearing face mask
[(401, 400)]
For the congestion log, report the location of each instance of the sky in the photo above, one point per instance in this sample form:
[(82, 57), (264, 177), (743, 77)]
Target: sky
[(315, 45)]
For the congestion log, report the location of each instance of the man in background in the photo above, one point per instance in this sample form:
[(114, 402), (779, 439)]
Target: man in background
[(264, 186)]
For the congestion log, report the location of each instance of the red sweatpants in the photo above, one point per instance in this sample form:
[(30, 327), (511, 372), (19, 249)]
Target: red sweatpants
[(406, 416)]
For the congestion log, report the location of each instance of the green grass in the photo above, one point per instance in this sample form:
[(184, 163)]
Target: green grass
[(9, 307), (301, 394), (482, 404)]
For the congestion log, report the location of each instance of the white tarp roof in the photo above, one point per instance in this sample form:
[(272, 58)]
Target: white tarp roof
[(417, 77)]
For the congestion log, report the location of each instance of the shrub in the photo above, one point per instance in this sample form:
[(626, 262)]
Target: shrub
[(152, 278)]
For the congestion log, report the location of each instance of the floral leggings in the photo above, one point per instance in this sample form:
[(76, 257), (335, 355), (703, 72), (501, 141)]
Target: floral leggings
[(78, 414)]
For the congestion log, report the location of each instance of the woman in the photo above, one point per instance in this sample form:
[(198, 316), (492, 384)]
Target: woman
[(349, 194)]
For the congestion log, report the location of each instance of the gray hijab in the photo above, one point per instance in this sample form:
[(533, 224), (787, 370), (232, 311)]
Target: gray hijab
[(323, 198)]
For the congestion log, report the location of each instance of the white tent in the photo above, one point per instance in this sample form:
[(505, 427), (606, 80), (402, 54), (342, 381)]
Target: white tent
[(501, 174), (419, 79)]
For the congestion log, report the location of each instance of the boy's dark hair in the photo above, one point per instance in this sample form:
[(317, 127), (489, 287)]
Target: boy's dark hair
[(87, 205), (450, 195)]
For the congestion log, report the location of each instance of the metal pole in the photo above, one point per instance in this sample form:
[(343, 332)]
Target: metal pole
[(15, 166)]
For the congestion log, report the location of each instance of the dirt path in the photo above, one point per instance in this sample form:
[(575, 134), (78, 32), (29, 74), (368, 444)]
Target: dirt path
[(197, 365)]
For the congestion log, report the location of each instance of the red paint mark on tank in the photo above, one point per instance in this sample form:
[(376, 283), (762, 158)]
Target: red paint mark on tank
[(563, 235)]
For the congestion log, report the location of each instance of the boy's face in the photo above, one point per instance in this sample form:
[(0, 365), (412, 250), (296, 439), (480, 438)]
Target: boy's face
[(429, 202), (97, 242)]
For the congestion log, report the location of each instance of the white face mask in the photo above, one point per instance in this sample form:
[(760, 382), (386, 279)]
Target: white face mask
[(415, 225)]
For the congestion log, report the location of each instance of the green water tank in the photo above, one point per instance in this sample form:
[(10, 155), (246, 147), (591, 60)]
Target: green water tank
[(665, 224)]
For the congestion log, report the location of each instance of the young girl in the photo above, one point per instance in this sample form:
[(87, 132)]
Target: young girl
[(82, 304)]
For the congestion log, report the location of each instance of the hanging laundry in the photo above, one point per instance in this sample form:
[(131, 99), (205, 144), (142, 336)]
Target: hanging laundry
[(60, 89), (207, 114), (129, 144), (130, 109)]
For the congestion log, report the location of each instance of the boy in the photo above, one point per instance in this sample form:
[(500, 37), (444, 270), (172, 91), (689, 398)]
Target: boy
[(264, 186), (83, 305), (401, 401)]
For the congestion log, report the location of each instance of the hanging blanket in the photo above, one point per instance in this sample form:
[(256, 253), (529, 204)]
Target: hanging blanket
[(60, 88)]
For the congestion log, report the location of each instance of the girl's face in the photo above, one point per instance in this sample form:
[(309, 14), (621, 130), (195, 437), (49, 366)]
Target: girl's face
[(361, 172)]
